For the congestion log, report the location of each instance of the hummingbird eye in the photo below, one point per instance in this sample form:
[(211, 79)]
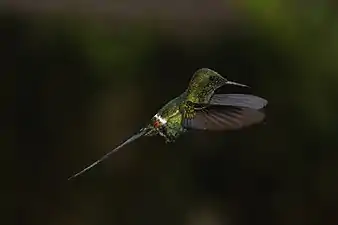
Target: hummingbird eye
[(212, 78)]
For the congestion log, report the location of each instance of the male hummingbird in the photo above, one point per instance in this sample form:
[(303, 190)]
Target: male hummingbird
[(200, 108)]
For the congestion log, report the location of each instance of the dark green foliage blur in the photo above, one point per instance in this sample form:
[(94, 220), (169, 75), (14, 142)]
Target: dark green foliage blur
[(73, 86)]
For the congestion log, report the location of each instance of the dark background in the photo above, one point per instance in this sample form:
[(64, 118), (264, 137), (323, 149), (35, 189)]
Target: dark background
[(79, 78)]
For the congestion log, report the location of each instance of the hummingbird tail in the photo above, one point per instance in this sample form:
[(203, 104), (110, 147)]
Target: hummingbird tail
[(141, 133)]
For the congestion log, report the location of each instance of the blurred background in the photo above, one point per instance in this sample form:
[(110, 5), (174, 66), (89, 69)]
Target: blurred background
[(79, 77)]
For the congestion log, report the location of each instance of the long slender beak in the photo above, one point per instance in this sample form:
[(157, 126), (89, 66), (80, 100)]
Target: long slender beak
[(235, 83), (142, 132)]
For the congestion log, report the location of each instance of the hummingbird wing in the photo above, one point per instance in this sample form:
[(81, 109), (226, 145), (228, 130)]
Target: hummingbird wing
[(240, 100), (223, 118), (141, 133)]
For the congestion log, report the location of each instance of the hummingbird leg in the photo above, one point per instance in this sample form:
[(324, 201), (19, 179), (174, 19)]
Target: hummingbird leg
[(163, 132), (188, 110), (168, 136), (168, 140)]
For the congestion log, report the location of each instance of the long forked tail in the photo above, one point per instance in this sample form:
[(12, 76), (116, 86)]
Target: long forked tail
[(131, 139)]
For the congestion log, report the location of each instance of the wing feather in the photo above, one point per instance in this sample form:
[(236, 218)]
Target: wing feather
[(240, 100), (224, 118)]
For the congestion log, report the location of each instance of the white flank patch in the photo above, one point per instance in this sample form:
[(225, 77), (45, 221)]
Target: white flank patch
[(161, 119)]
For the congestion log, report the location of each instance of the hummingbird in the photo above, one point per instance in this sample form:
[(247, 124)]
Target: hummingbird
[(200, 108)]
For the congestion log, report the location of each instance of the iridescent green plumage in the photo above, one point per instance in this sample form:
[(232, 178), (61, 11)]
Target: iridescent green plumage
[(198, 107), (203, 84), (200, 90)]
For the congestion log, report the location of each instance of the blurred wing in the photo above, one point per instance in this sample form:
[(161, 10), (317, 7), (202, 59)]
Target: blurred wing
[(240, 100), (223, 118)]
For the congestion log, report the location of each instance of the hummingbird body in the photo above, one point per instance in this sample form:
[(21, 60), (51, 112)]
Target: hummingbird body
[(199, 108), (167, 121)]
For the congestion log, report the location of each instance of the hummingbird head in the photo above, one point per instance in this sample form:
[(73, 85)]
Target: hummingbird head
[(218, 80), (208, 79), (205, 77)]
